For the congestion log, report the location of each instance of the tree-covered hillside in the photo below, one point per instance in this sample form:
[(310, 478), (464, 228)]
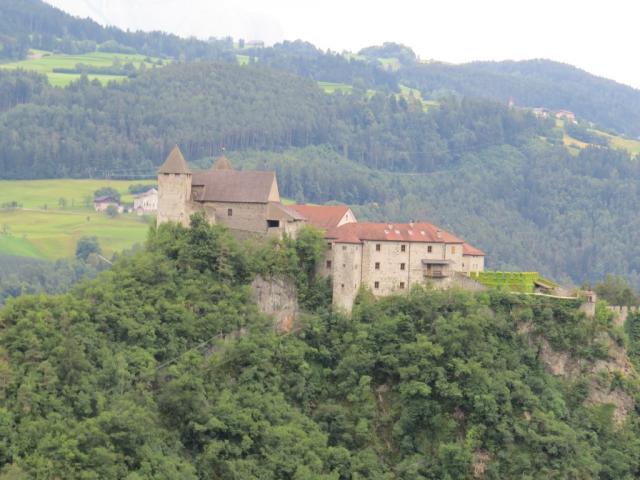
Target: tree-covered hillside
[(535, 83), (51, 132), (28, 24), (124, 378)]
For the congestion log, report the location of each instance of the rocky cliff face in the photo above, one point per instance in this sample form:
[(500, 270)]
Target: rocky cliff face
[(600, 372), (277, 296)]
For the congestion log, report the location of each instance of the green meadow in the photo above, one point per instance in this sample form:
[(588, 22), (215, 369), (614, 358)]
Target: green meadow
[(615, 141), (54, 214), (44, 62), (333, 87)]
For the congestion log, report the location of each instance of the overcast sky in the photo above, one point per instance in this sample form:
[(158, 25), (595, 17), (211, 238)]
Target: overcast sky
[(599, 36)]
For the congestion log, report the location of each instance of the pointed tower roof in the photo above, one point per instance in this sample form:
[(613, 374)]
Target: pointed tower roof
[(175, 162), (222, 164)]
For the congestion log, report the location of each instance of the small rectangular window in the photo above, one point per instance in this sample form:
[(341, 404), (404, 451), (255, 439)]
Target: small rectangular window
[(377, 247), (344, 247), (328, 263), (328, 245), (377, 265), (229, 212), (403, 248), (376, 284), (402, 266), (273, 223), (342, 286), (402, 285), (429, 249)]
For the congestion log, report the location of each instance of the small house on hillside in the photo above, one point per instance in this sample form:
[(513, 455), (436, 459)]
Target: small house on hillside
[(540, 112), (566, 115), (100, 204), (146, 202)]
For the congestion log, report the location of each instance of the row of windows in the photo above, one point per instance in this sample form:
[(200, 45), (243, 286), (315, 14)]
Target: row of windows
[(403, 248), (329, 263), (403, 266), (376, 285)]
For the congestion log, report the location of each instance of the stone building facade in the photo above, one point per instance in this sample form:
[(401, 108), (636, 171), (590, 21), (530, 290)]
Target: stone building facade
[(390, 258), (247, 202), (382, 257)]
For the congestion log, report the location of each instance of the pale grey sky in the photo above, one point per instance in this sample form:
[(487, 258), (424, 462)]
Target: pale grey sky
[(599, 36)]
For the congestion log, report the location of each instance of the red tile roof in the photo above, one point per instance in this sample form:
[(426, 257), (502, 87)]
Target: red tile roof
[(471, 250), (396, 232), (322, 216)]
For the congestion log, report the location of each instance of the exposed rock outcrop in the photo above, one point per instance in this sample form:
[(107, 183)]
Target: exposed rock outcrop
[(565, 365), (277, 296)]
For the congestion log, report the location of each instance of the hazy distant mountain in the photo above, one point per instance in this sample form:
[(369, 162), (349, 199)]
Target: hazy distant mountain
[(536, 83)]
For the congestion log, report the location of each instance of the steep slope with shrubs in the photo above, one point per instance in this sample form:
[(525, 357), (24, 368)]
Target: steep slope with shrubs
[(124, 377)]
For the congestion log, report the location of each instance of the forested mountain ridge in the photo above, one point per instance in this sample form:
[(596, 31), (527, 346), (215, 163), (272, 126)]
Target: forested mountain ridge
[(123, 377), (531, 83), (535, 83), (51, 132), (28, 24)]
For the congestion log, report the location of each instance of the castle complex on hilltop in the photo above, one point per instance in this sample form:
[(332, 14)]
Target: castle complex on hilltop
[(386, 258)]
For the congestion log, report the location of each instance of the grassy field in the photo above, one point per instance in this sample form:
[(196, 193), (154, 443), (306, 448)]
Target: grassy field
[(52, 233), (408, 93), (44, 62), (332, 87), (390, 63), (615, 141), (35, 194), (242, 59), (632, 146)]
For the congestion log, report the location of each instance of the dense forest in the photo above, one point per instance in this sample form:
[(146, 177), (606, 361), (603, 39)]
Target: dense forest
[(50, 132), (23, 276), (28, 24), (126, 376)]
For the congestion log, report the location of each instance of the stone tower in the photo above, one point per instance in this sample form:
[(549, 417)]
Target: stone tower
[(174, 189)]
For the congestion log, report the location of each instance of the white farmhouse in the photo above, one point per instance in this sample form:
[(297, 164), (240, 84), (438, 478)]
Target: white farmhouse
[(146, 202)]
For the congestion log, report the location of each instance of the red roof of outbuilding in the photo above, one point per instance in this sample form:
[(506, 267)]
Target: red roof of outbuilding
[(322, 216), (396, 232), (471, 250)]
